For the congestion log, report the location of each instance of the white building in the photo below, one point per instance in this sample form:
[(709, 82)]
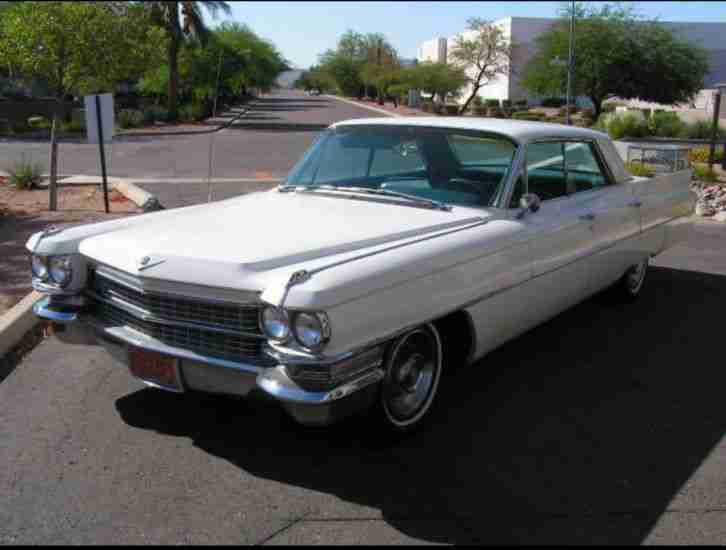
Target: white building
[(523, 31)]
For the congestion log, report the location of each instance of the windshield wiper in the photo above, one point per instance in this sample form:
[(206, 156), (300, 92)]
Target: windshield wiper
[(370, 191)]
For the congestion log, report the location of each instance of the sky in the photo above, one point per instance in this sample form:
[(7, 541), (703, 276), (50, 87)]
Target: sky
[(303, 30)]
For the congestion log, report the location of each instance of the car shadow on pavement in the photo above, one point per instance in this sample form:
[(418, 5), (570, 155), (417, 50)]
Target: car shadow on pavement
[(581, 431)]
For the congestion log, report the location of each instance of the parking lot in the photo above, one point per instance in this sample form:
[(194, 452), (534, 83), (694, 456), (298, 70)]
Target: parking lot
[(604, 425)]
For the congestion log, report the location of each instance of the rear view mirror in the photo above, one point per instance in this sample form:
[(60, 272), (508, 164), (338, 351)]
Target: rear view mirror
[(528, 203)]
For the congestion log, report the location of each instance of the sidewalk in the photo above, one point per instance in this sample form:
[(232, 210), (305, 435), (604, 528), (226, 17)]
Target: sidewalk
[(388, 107)]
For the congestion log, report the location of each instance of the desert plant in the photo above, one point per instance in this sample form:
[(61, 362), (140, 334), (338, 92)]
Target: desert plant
[(25, 174), (701, 154), (639, 169), (704, 173)]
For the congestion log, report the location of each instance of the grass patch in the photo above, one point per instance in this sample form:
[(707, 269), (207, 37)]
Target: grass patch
[(25, 174)]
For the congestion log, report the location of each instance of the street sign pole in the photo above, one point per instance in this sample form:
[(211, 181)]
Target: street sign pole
[(102, 150)]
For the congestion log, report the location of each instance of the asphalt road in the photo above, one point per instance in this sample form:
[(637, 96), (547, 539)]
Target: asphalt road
[(265, 143), (604, 425)]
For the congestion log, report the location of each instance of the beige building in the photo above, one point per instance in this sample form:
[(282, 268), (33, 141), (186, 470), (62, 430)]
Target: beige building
[(523, 31)]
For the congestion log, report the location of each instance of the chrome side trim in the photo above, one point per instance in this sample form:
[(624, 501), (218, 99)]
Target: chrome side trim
[(145, 315), (42, 309)]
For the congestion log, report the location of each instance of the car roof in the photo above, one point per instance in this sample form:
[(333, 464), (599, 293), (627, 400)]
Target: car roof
[(521, 131)]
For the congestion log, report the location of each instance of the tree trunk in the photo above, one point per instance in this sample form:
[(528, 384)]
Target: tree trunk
[(173, 61), (597, 103), (53, 186), (465, 106)]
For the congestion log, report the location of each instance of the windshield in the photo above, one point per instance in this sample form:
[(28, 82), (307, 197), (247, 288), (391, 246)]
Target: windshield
[(451, 166)]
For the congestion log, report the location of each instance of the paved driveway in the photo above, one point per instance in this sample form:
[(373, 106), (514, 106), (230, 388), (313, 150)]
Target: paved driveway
[(604, 425)]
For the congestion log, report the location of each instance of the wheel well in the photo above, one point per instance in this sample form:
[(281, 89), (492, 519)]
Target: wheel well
[(457, 337)]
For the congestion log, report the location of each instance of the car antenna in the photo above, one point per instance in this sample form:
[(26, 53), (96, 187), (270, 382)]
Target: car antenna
[(209, 169)]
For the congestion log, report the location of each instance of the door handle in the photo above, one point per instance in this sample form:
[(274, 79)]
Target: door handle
[(635, 204), (588, 217)]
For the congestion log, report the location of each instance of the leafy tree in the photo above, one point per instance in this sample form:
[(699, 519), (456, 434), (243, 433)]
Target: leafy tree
[(77, 47), (179, 20), (436, 79), (617, 54), (483, 52)]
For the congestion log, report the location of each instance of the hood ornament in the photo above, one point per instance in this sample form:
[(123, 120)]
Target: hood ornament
[(145, 262)]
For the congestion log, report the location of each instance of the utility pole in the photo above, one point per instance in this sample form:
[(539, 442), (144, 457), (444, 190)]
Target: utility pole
[(570, 63)]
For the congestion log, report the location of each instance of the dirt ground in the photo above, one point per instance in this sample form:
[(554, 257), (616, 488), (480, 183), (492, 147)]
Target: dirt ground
[(22, 213)]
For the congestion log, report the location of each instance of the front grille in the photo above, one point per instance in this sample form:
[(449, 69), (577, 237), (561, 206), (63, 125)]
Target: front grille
[(224, 331)]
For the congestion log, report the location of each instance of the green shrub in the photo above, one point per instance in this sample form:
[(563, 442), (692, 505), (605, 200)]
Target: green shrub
[(528, 115), (638, 169), (495, 112), (25, 174), (626, 126), (73, 126), (194, 112), (553, 102), (452, 110), (665, 124), (130, 118), (38, 122), (477, 101), (701, 129), (155, 113), (704, 173), (480, 110), (700, 154), (521, 104), (609, 107), (491, 102), (506, 103)]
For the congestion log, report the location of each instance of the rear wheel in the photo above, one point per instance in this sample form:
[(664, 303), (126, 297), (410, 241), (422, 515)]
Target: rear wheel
[(629, 286), (412, 374)]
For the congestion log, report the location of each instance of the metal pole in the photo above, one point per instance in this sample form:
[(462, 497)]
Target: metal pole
[(216, 95), (714, 130), (53, 186), (103, 153), (570, 62)]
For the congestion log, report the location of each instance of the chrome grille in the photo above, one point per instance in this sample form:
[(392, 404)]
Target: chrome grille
[(219, 330)]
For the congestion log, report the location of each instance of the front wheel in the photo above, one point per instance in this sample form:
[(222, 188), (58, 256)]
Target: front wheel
[(412, 373)]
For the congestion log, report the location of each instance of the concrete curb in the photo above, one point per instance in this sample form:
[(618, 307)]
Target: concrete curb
[(227, 124), (140, 197), (17, 321), (375, 109)]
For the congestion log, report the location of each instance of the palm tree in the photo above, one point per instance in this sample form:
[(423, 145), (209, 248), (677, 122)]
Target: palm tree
[(179, 20)]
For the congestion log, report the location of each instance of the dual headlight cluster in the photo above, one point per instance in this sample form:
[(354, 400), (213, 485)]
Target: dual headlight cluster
[(310, 329), (56, 270)]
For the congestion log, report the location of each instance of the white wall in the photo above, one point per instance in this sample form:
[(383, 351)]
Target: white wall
[(433, 50)]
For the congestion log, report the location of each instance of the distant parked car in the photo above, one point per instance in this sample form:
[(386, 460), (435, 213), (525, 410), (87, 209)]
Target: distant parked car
[(396, 248)]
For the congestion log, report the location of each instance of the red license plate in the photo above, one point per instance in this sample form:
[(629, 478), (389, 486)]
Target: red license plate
[(156, 368)]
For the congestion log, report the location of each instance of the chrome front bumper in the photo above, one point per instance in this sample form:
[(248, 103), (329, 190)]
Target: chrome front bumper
[(214, 375)]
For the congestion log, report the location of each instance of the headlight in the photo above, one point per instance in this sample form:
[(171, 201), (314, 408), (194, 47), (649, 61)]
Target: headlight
[(60, 270), (312, 330), (275, 323), (39, 267)]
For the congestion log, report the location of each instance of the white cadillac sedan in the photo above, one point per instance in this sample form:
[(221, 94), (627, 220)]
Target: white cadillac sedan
[(395, 249)]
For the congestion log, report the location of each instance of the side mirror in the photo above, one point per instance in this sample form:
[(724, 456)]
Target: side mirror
[(528, 203)]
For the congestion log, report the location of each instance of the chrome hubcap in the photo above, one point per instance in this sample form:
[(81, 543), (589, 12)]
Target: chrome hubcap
[(636, 275), (411, 375)]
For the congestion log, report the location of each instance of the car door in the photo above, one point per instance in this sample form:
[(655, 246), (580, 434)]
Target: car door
[(614, 211), (561, 234)]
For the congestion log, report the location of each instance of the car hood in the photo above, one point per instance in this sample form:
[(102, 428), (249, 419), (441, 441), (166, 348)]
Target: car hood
[(233, 243)]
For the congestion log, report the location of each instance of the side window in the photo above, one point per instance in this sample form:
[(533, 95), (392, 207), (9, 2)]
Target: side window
[(546, 170), (583, 170)]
